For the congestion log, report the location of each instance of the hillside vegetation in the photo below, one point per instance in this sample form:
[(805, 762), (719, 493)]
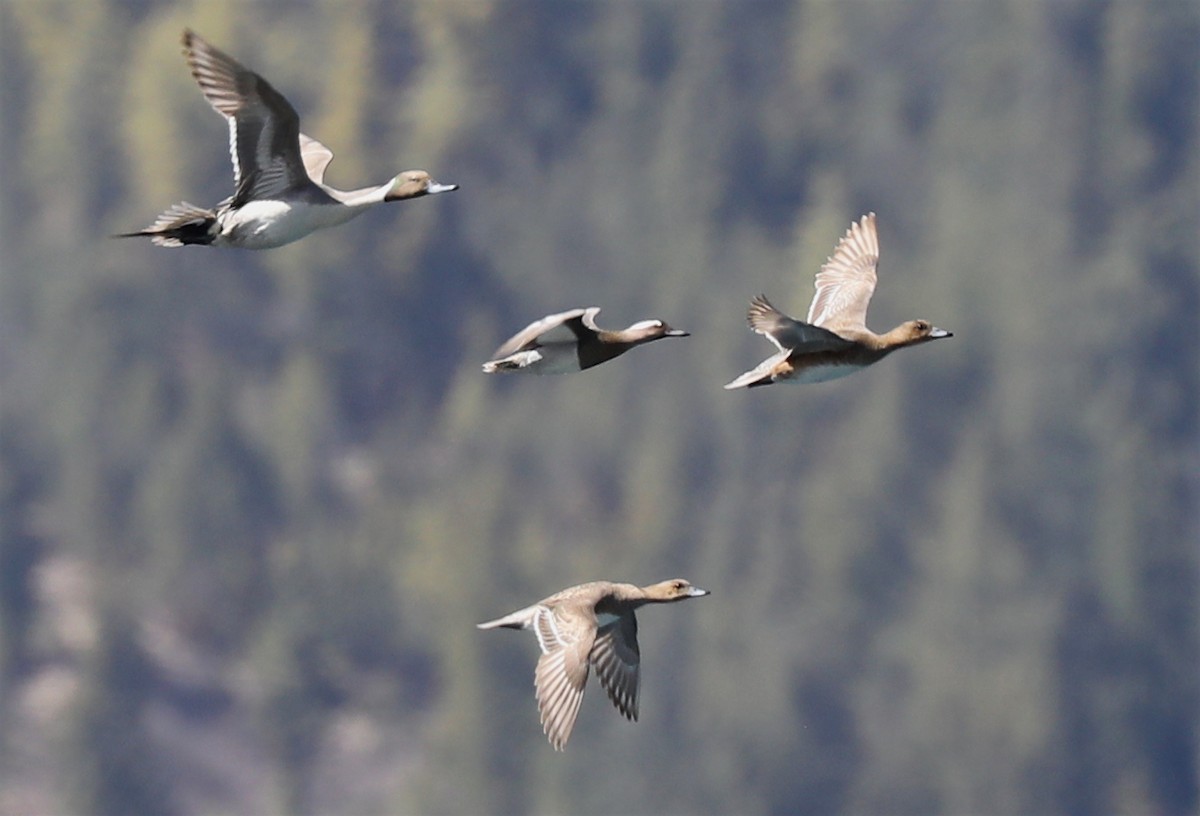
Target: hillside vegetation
[(251, 504)]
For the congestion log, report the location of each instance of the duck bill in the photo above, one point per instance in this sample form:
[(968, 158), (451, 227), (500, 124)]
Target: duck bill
[(677, 333), (939, 333), (697, 592), (434, 187)]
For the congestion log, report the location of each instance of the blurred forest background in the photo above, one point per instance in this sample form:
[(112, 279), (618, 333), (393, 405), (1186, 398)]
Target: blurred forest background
[(251, 504)]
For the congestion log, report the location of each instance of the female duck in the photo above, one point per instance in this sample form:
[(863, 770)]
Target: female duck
[(279, 192), (571, 341), (588, 625), (834, 341)]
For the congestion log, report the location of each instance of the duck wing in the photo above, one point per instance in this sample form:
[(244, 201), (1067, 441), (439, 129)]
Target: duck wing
[(616, 656), (847, 279), (785, 332), (264, 129), (316, 158), (536, 331), (562, 670)]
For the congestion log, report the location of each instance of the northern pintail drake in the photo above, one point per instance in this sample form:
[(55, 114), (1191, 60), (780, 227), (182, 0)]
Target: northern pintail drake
[(571, 341), (278, 172), (588, 625), (834, 340)]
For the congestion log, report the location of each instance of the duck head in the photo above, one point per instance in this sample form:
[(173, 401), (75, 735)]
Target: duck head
[(414, 184), (646, 330), (674, 590), (919, 331)]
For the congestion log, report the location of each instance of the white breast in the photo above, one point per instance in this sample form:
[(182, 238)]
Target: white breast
[(268, 224), (822, 373), (557, 358)]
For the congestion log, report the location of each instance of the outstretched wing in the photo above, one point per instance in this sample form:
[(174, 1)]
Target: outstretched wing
[(616, 657), (316, 157), (847, 279), (529, 336), (264, 129), (561, 674), (785, 332)]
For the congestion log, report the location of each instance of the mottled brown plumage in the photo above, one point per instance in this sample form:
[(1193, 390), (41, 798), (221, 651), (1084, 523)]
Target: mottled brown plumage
[(835, 340), (588, 625)]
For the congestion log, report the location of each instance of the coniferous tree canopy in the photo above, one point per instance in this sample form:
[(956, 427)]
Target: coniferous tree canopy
[(251, 504)]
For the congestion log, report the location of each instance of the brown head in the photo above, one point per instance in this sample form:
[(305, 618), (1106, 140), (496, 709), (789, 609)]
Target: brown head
[(914, 332), (414, 184), (674, 590)]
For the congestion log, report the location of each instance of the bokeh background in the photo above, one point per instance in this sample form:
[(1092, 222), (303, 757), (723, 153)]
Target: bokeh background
[(251, 504)]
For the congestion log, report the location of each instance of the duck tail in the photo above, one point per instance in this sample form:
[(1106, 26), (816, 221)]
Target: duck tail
[(762, 374), (747, 380), (181, 224), (501, 366), (521, 619), (751, 379)]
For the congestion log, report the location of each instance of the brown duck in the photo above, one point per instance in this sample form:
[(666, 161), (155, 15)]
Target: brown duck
[(834, 340), (588, 625)]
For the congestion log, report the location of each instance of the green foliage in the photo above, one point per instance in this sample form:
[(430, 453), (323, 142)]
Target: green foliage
[(963, 581)]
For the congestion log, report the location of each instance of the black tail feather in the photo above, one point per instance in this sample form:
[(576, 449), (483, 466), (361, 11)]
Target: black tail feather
[(180, 225)]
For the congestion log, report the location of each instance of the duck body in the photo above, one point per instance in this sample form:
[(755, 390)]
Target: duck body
[(834, 341), (280, 195), (266, 224), (262, 224), (571, 341), (802, 368), (584, 626)]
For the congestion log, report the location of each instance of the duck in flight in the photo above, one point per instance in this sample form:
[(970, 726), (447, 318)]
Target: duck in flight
[(834, 340), (279, 192), (571, 341), (590, 625)]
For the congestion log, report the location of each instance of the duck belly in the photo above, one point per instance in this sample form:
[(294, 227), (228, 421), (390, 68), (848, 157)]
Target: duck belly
[(270, 224), (822, 372), (552, 358)]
